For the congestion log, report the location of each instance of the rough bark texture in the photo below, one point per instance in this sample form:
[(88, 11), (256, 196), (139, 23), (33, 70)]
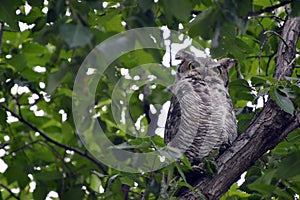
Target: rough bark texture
[(266, 130)]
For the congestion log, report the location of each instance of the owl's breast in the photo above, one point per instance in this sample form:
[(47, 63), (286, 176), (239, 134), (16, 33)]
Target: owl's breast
[(206, 116)]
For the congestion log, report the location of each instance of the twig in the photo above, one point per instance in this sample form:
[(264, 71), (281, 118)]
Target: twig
[(27, 145), (10, 192), (277, 34), (1, 35), (268, 9), (46, 137)]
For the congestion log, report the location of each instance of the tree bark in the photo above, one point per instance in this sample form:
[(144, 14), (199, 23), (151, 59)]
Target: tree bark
[(265, 131)]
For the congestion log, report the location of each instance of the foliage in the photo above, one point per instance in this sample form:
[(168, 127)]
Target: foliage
[(38, 140)]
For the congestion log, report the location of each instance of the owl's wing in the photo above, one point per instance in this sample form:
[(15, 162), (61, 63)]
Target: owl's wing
[(173, 120)]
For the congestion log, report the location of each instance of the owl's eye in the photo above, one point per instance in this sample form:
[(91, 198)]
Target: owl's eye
[(219, 71), (191, 66)]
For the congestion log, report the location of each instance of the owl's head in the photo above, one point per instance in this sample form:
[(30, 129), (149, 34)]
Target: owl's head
[(204, 66)]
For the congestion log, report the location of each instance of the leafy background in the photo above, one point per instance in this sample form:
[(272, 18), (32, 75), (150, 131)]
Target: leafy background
[(38, 141)]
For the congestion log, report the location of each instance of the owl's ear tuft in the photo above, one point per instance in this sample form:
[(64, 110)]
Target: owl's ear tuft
[(226, 63), (183, 55)]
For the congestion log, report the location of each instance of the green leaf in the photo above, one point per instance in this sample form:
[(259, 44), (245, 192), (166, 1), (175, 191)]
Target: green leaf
[(282, 101), (181, 9), (145, 4), (75, 35), (208, 19), (41, 191), (3, 117), (289, 166), (19, 61), (295, 8), (8, 14), (35, 2), (55, 78), (15, 173), (48, 175), (73, 193), (262, 188)]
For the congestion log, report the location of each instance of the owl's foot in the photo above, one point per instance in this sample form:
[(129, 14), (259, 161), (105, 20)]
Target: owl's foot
[(199, 168)]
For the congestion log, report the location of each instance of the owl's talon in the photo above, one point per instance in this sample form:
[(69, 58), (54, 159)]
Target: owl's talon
[(198, 168)]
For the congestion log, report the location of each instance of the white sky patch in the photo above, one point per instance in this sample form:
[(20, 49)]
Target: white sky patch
[(18, 11), (198, 52), (166, 32), (3, 166), (68, 13), (123, 120), (39, 69), (104, 108), (101, 189), (67, 160), (242, 179), (162, 158), (11, 119), (70, 152), (51, 195), (123, 23), (180, 26), (6, 138), (45, 10), (134, 87), (2, 152), (16, 89), (27, 8), (25, 26), (38, 113), (42, 85), (162, 118), (32, 98), (91, 71), (15, 190), (46, 2), (125, 73), (136, 78), (151, 77), (141, 97), (2, 100), (138, 122), (46, 96), (104, 4), (153, 109), (32, 186), (63, 115)]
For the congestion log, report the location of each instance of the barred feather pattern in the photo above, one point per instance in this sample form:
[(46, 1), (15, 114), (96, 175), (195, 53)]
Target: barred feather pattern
[(201, 117)]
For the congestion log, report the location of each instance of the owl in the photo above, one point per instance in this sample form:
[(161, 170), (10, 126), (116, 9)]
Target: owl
[(201, 118)]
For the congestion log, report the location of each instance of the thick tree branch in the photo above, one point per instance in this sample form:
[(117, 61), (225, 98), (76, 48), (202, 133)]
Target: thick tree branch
[(268, 128), (50, 140)]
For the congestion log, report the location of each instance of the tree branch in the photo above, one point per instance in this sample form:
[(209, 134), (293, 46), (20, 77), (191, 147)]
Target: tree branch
[(268, 9), (10, 192), (1, 35), (50, 140), (268, 128)]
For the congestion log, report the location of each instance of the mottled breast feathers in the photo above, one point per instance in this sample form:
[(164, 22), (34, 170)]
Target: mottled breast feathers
[(201, 117)]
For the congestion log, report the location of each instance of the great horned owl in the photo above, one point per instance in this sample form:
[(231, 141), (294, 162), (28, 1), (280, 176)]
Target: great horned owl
[(201, 117)]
